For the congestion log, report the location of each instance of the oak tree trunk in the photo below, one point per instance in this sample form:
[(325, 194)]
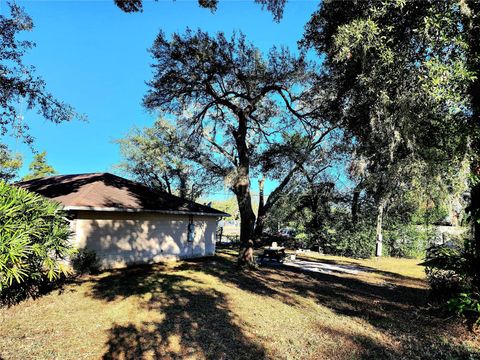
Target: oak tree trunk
[(241, 188), (247, 224), (379, 229), (247, 218), (355, 200), (261, 215), (183, 191)]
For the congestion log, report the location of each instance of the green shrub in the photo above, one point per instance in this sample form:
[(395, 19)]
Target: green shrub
[(85, 262), (452, 277), (405, 240), (466, 304), (444, 267), (302, 241), (357, 242), (33, 243)]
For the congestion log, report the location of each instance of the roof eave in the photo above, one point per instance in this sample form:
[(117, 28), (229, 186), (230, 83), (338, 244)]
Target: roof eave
[(129, 210)]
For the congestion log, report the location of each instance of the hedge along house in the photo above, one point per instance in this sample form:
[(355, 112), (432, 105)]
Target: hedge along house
[(126, 223)]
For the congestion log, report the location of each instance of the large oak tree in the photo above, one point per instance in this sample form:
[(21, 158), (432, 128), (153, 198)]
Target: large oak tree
[(242, 114)]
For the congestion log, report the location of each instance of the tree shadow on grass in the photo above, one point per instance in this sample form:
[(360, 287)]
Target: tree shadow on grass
[(284, 281), (196, 320), (399, 311), (359, 346), (225, 269)]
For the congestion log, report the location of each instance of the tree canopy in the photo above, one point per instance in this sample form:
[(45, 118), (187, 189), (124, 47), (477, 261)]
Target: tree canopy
[(402, 82), (39, 167), (9, 164), (274, 6), (20, 86), (156, 157), (241, 114)]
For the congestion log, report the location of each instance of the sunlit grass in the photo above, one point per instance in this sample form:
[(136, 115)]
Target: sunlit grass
[(405, 267), (207, 309), (389, 269)]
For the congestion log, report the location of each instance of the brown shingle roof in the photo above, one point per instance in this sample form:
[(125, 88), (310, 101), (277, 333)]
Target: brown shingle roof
[(104, 190)]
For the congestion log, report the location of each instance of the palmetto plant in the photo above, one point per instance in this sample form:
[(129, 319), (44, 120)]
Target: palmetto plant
[(34, 240)]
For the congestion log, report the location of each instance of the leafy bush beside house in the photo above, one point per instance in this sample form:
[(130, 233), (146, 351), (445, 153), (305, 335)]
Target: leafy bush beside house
[(34, 242), (85, 262)]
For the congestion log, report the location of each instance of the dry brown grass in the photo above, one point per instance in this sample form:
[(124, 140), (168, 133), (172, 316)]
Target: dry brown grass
[(207, 309)]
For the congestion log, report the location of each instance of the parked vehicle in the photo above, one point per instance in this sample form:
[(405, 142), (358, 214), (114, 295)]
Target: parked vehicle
[(287, 232)]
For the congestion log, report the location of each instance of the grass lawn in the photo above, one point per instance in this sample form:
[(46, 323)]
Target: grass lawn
[(207, 309)]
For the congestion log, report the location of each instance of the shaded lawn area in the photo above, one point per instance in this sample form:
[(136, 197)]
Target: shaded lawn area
[(207, 309)]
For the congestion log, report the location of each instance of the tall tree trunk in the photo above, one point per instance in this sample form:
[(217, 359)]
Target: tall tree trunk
[(355, 200), (183, 191), (247, 217), (261, 215), (167, 183), (379, 229), (475, 192), (241, 188), (247, 224)]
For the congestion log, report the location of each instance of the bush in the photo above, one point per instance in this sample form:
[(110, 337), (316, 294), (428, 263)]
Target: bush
[(357, 242), (409, 241), (466, 304), (444, 267), (452, 277), (302, 241), (86, 262), (33, 243)]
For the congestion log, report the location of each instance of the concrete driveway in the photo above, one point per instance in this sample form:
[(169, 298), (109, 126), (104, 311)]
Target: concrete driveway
[(315, 266)]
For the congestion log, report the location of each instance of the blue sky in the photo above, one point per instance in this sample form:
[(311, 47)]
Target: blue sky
[(94, 56)]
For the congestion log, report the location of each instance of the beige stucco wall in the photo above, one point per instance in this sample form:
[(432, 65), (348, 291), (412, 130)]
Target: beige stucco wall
[(120, 238)]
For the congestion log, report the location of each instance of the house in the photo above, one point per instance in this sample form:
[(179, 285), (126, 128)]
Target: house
[(125, 222)]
